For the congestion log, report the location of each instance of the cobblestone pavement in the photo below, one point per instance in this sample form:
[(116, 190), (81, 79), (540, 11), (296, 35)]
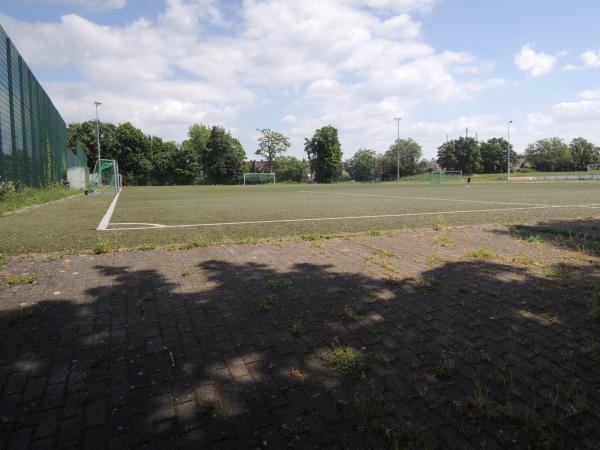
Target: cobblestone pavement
[(477, 337)]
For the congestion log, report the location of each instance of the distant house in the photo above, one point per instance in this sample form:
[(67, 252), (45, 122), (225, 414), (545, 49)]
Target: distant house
[(258, 166)]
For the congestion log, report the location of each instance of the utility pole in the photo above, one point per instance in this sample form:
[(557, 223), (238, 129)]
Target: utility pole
[(98, 137), (508, 153), (398, 119)]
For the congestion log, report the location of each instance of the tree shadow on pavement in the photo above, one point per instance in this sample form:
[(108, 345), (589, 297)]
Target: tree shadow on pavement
[(576, 235), (240, 355)]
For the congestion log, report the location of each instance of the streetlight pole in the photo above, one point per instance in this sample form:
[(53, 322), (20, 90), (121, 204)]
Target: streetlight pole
[(398, 119), (98, 137), (508, 153)]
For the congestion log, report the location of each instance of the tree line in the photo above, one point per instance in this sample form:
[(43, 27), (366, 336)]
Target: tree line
[(212, 155), (545, 155)]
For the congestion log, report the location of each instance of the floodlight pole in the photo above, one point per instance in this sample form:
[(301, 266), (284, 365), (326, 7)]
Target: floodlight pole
[(508, 153), (398, 119), (98, 137)]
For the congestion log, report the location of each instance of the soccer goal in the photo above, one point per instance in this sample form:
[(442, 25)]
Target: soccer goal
[(259, 178), (593, 168), (443, 176), (105, 179)]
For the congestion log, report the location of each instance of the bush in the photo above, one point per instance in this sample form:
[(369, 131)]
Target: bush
[(7, 189)]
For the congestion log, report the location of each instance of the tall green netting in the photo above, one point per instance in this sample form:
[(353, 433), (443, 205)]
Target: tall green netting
[(33, 135)]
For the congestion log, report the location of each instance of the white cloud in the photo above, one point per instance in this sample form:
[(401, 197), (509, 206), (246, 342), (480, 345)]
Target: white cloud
[(352, 64), (534, 62), (96, 5), (591, 58)]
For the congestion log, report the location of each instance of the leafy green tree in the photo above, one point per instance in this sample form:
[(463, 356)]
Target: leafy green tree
[(271, 144), (494, 153), (361, 166), (224, 161), (408, 151), (288, 168), (324, 154), (85, 133), (549, 155), (132, 151), (460, 154), (584, 153)]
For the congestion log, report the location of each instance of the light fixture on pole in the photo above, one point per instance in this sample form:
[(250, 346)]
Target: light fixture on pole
[(508, 153), (98, 137), (398, 119)]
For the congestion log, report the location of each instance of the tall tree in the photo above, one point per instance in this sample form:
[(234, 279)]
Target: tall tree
[(224, 158), (549, 155), (324, 154), (408, 152), (288, 168), (494, 154), (85, 134), (361, 166), (460, 154), (584, 153), (271, 144)]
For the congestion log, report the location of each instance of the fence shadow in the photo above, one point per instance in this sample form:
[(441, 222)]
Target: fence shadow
[(240, 355)]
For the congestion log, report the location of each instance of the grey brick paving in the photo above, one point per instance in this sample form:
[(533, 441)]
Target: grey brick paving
[(227, 347)]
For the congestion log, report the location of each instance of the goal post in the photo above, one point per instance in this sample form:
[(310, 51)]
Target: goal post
[(105, 179), (443, 176), (259, 178)]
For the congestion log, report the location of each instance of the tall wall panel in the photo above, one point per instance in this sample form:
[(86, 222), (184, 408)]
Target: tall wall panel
[(33, 135)]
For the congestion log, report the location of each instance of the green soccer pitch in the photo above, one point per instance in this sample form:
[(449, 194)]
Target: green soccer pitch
[(185, 214)]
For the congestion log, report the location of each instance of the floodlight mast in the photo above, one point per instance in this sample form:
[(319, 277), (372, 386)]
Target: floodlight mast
[(398, 119), (508, 153), (98, 137)]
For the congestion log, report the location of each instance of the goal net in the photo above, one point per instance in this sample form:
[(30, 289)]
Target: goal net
[(443, 176), (259, 178), (105, 179)]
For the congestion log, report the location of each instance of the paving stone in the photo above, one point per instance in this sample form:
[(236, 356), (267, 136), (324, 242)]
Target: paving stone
[(135, 356)]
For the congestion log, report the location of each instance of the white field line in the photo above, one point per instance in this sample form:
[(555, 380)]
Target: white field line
[(425, 198), (103, 225), (320, 219)]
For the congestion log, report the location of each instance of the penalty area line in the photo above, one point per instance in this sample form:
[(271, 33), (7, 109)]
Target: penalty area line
[(321, 219), (103, 225)]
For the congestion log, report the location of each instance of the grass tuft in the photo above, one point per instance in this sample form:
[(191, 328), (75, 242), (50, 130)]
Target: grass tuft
[(19, 315), (146, 247), (560, 271), (346, 362), (442, 241), (446, 368), (434, 260), (3, 260), (426, 282), (266, 303), (101, 247), (185, 271), (481, 253), (16, 280), (373, 232), (534, 239)]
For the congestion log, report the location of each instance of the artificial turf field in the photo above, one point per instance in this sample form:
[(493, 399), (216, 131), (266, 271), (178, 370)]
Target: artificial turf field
[(203, 214)]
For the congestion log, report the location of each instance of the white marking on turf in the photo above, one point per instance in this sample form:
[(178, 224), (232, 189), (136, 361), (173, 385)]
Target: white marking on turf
[(103, 225), (320, 219), (425, 198)]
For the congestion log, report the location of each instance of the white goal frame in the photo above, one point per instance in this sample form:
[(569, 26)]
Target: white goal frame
[(259, 173)]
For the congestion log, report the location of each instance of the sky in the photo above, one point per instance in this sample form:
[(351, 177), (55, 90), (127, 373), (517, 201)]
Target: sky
[(443, 66)]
